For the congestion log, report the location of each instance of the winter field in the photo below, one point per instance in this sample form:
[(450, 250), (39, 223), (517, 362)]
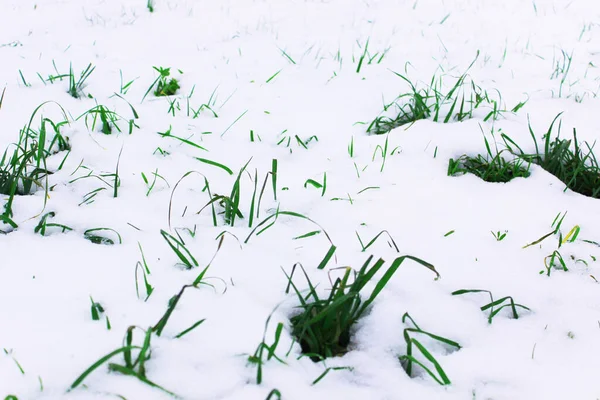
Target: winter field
[(336, 199)]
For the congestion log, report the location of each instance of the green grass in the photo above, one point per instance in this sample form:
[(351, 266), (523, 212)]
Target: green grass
[(495, 169), (391, 241), (265, 352), (133, 365), (504, 302), (107, 119), (164, 85), (143, 265), (179, 248), (492, 167), (411, 344), (499, 236), (43, 225), (432, 102), (323, 325), (572, 162), (76, 86), (25, 170)]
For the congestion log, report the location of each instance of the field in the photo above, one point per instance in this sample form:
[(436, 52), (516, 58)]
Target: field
[(335, 199)]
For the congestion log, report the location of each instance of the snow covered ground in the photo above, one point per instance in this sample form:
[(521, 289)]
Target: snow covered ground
[(294, 81)]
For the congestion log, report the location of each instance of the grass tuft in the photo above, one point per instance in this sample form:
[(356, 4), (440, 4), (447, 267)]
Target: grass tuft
[(323, 326), (566, 159), (432, 102), (163, 85), (25, 170), (504, 302), (76, 86), (409, 359)]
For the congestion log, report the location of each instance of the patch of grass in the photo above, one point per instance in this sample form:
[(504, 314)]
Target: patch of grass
[(499, 236), (107, 119), (574, 163), (323, 325), (231, 203), (179, 248), (264, 352), (131, 366), (43, 225), (143, 265), (491, 168), (390, 242), (100, 236), (164, 85), (432, 102), (496, 169), (554, 260), (383, 150), (25, 170), (318, 185), (409, 359), (503, 303), (562, 66), (97, 310), (76, 86)]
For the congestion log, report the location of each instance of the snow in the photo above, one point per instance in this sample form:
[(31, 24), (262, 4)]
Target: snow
[(232, 48)]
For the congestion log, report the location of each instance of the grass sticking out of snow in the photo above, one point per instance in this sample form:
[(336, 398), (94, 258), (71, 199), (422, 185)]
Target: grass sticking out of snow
[(76, 86), (504, 302), (458, 104), (491, 168), (566, 159), (24, 171), (409, 359), (163, 86), (323, 325)]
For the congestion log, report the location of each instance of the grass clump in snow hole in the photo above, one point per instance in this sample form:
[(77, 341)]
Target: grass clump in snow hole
[(458, 104), (24, 171), (163, 86), (323, 326), (490, 168), (566, 159)]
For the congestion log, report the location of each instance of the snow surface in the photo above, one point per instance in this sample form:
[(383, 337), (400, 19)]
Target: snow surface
[(235, 46)]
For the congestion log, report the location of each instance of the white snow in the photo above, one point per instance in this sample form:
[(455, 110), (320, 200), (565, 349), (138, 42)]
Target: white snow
[(232, 48)]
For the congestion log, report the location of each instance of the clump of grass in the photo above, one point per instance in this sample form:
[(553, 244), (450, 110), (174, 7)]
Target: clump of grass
[(25, 170), (499, 236), (432, 102), (43, 225), (566, 159), (323, 326), (504, 302), (100, 236), (416, 107), (76, 85), (163, 85), (496, 169), (143, 265), (133, 365), (492, 167), (179, 248), (97, 310), (458, 104), (409, 359), (264, 352), (107, 119), (231, 203)]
